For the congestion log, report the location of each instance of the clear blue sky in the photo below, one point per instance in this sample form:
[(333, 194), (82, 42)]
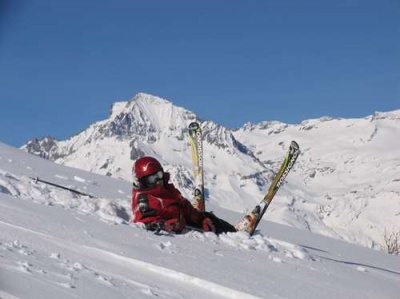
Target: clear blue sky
[(63, 63)]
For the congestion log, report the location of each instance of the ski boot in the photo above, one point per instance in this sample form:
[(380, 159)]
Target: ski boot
[(248, 222)]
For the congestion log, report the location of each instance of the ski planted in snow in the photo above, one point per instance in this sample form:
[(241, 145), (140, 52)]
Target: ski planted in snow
[(196, 143), (250, 222)]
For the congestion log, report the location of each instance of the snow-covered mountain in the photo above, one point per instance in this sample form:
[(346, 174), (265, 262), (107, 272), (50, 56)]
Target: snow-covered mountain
[(57, 244), (346, 183)]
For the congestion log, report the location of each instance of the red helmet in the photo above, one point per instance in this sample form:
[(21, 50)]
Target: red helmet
[(145, 166)]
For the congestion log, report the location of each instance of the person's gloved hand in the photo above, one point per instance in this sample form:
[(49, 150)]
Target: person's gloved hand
[(174, 225), (207, 225), (170, 225)]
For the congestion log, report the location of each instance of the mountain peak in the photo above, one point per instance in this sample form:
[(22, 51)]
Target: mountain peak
[(141, 100), (149, 99), (149, 110)]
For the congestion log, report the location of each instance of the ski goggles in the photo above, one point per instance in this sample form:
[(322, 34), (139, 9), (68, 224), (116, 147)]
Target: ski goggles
[(153, 178)]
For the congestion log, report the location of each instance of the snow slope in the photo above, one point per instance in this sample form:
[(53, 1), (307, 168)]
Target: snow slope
[(56, 244), (345, 184)]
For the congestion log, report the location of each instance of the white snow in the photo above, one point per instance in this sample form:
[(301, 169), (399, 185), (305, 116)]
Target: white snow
[(345, 183), (56, 244)]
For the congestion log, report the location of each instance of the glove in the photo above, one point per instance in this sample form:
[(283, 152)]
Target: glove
[(169, 226), (174, 225), (208, 226)]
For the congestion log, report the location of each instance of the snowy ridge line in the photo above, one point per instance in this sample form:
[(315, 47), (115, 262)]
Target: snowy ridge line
[(185, 278)]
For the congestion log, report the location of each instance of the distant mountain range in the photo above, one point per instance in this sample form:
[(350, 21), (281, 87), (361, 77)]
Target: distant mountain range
[(346, 183)]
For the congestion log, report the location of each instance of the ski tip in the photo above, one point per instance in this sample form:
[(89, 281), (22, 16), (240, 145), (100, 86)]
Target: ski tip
[(194, 124), (295, 145)]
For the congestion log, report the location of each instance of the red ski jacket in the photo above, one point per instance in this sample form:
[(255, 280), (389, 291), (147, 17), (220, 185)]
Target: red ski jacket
[(164, 206)]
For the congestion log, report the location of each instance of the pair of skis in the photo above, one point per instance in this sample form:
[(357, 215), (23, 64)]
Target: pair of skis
[(249, 222)]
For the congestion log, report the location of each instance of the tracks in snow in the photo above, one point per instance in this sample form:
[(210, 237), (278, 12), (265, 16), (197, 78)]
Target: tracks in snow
[(136, 273)]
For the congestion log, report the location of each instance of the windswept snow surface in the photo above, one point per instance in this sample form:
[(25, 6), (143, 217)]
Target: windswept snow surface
[(56, 244)]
